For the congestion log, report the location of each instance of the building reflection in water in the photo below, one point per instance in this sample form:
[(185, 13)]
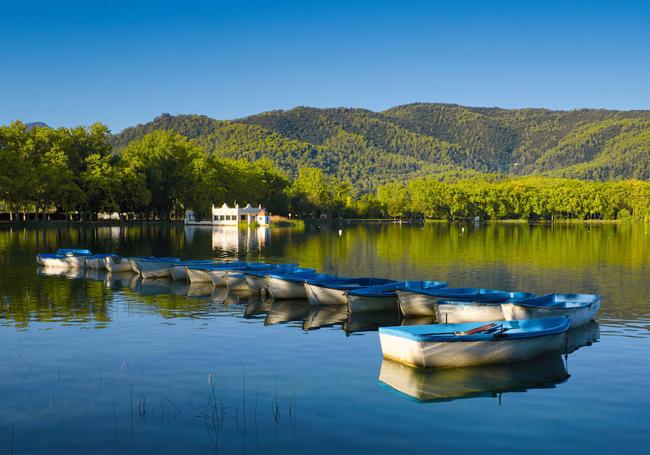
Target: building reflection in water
[(231, 239)]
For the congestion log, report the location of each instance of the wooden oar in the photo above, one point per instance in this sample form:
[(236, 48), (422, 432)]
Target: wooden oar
[(482, 328)]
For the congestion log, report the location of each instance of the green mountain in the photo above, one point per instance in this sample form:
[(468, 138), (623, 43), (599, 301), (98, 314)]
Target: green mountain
[(369, 147)]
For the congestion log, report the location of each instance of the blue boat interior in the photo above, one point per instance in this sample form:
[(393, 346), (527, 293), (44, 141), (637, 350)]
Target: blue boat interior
[(300, 277), (560, 301), (388, 289), (350, 283), (73, 252)]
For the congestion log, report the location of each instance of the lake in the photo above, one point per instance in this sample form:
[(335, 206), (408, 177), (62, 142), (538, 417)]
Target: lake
[(109, 364)]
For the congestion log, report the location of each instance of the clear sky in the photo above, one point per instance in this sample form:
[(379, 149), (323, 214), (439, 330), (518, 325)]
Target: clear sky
[(72, 63)]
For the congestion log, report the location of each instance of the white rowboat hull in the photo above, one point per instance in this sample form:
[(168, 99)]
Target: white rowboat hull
[(114, 264), (69, 262), (218, 277), (318, 295), (578, 316), (283, 289), (197, 276), (255, 284), (155, 269), (237, 282), (467, 353), (413, 305), (96, 263), (178, 273), (468, 312)]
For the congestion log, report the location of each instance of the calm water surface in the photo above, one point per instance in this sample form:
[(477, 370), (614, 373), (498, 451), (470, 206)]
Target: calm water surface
[(109, 364)]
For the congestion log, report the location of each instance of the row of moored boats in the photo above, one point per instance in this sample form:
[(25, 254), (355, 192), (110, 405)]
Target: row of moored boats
[(475, 326)]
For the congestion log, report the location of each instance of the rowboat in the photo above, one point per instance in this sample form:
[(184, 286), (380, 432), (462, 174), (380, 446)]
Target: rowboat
[(383, 297), (426, 385), (579, 308), (177, 271), (468, 344), (152, 267), (236, 279), (218, 274), (97, 261), (118, 264), (335, 291), (418, 301), (458, 311), (64, 258), (197, 273), (291, 285), (256, 279)]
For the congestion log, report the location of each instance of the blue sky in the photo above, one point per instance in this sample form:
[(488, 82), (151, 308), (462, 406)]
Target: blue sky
[(72, 63)]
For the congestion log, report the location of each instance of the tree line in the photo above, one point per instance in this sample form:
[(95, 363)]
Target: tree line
[(75, 173)]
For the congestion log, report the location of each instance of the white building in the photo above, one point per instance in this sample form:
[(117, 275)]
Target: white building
[(231, 216)]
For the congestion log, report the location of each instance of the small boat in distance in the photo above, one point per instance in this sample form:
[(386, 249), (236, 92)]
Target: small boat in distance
[(579, 308), (383, 297), (97, 261), (177, 271), (469, 344), (118, 264), (334, 291), (459, 311), (197, 273), (146, 264), (236, 279), (64, 258), (256, 279), (291, 285)]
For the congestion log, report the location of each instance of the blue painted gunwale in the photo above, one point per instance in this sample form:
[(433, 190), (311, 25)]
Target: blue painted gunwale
[(527, 328), (465, 294), (101, 256), (156, 259), (388, 290), (280, 271), (73, 252), (560, 301), (506, 297), (345, 284), (300, 277)]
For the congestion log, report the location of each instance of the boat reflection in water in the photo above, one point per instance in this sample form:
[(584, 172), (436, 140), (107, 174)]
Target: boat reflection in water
[(422, 320), (69, 273), (370, 321), (445, 384), (582, 336), (324, 316), (283, 311), (199, 290), (119, 280), (152, 287), (257, 306)]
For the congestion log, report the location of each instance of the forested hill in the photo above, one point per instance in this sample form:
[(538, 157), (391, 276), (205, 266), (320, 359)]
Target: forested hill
[(422, 139)]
